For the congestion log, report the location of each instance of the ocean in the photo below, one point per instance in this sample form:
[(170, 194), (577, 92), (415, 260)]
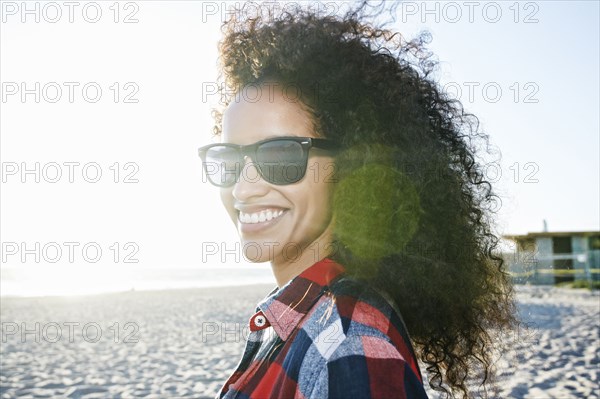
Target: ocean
[(38, 281)]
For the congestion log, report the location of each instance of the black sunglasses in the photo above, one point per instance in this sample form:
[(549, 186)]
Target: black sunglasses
[(279, 160)]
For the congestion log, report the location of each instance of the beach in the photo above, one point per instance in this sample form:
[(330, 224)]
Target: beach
[(555, 353), (184, 343)]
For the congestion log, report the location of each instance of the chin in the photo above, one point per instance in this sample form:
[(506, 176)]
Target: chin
[(253, 258), (256, 251)]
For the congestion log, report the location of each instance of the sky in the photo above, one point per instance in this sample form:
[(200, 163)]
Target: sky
[(106, 103)]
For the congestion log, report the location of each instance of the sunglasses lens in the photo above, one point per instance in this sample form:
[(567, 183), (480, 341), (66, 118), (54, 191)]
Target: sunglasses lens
[(278, 162), (222, 165), (281, 161)]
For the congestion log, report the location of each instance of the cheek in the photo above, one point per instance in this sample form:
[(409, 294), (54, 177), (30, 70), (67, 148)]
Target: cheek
[(317, 198), (227, 201), (323, 202), (323, 181)]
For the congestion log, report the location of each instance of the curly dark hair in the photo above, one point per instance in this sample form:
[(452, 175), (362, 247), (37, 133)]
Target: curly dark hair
[(413, 210)]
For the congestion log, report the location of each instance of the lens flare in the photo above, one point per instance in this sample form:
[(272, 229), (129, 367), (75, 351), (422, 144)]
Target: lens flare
[(377, 211)]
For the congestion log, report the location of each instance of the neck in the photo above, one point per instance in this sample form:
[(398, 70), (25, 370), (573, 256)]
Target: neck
[(291, 264)]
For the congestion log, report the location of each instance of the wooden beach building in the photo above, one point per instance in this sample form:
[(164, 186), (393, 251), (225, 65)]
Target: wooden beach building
[(554, 257)]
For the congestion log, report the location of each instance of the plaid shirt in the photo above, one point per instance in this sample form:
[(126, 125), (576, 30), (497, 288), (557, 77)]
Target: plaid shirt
[(324, 335)]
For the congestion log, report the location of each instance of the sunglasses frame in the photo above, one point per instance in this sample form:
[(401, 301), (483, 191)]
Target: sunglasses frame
[(250, 150)]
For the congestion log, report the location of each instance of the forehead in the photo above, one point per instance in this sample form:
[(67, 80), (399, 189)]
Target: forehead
[(263, 111)]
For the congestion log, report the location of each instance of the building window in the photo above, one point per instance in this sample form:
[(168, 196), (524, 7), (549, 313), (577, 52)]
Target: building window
[(562, 245), (594, 242)]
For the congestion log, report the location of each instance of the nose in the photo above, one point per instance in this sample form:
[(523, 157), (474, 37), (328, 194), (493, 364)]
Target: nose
[(250, 183)]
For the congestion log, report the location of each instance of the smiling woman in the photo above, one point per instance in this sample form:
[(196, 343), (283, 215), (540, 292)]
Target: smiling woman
[(396, 239), (300, 207)]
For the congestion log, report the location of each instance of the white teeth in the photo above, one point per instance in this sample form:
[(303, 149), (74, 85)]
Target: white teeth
[(260, 217)]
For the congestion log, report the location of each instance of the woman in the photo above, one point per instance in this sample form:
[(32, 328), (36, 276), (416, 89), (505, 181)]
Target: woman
[(343, 165)]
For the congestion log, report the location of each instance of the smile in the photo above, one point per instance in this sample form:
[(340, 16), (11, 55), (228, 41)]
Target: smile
[(260, 217)]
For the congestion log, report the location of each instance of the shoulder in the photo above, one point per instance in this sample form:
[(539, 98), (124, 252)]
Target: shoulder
[(364, 310), (351, 308), (364, 347)]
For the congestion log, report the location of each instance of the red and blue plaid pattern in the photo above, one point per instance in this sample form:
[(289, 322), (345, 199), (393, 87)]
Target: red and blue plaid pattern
[(325, 335)]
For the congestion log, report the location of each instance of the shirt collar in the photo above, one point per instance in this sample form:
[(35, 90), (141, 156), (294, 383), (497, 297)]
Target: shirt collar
[(285, 307)]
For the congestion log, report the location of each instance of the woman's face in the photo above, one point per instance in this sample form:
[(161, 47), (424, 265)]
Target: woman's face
[(300, 212)]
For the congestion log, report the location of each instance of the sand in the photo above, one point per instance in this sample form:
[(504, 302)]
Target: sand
[(184, 343), (556, 352)]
